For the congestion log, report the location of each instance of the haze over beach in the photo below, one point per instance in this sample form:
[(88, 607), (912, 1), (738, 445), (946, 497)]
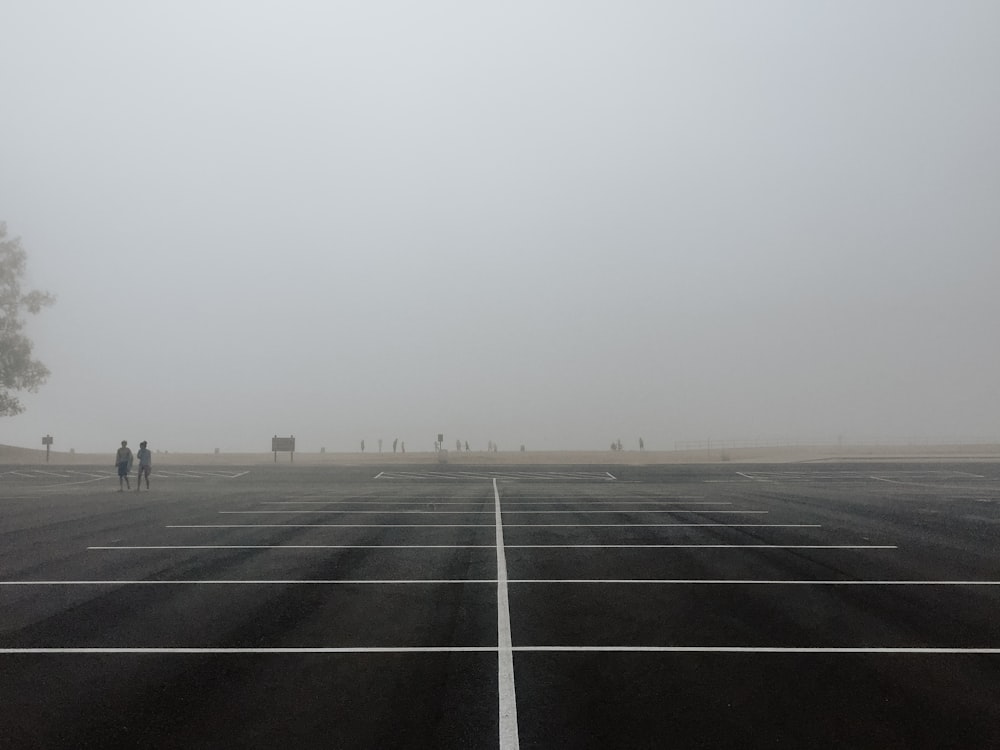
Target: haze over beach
[(549, 223)]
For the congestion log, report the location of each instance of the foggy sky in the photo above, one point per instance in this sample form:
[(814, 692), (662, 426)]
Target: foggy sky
[(548, 223)]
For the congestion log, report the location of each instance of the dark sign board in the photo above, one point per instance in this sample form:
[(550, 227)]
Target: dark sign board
[(284, 444)]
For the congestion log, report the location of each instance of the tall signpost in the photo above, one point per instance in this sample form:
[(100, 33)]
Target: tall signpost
[(283, 444), (47, 442)]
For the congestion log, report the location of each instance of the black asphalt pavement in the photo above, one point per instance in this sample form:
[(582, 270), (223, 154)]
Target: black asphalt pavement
[(794, 605)]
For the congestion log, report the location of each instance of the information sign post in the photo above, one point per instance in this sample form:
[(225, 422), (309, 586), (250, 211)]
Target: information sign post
[(47, 442), (283, 444)]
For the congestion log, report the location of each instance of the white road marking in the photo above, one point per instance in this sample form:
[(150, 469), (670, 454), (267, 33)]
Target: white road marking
[(490, 546), (762, 649), (490, 525), (302, 650), (476, 512), (522, 649), (477, 503), (258, 582), (70, 484), (514, 475), (492, 581), (297, 546), (666, 525), (375, 502), (634, 512), (739, 582), (334, 526), (505, 658), (701, 546), (379, 512)]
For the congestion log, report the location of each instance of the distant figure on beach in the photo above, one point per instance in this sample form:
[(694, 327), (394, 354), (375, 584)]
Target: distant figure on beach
[(642, 445), (380, 445), (145, 457), (362, 446), (466, 446), (394, 441), (123, 460), (402, 446)]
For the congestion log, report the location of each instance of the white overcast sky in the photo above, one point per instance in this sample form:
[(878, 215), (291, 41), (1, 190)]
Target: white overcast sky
[(548, 223)]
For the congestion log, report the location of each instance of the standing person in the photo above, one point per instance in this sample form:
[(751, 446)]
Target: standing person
[(145, 457), (123, 460)]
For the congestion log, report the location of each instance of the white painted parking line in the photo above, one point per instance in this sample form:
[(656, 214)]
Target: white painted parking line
[(479, 503), (519, 649), (294, 546), (333, 526), (489, 525), (505, 657), (258, 582), (701, 546), (740, 582), (634, 512), (490, 546), (665, 525), (493, 581), (759, 649), (355, 512), (514, 475), (71, 484), (472, 503), (300, 650), (477, 512)]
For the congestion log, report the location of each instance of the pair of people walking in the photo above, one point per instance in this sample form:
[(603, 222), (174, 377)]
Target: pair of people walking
[(123, 462)]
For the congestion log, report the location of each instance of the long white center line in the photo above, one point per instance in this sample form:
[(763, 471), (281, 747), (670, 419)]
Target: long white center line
[(505, 655)]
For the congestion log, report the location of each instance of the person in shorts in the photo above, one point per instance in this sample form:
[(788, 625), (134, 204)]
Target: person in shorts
[(123, 460), (145, 457)]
